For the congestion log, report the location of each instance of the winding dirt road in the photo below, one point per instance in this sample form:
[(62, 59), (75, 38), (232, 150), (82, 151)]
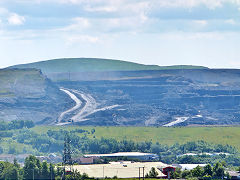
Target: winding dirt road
[(85, 105)]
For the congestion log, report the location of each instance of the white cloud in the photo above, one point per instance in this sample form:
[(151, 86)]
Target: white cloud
[(230, 21), (181, 36), (211, 4), (3, 11), (81, 38), (163, 3), (78, 24), (12, 18), (84, 22), (15, 19), (101, 9), (201, 22)]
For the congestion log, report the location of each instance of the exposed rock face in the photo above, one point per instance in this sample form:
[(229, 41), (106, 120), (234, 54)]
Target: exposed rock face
[(26, 94), (168, 97)]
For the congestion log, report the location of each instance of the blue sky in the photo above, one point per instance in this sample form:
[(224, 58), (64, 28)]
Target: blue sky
[(162, 32)]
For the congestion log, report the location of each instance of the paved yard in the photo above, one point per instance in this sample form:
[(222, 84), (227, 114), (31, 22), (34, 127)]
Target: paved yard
[(121, 170)]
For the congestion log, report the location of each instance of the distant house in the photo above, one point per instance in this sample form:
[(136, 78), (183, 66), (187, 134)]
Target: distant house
[(54, 158), (135, 155), (7, 157), (51, 158), (234, 174), (43, 158), (84, 160)]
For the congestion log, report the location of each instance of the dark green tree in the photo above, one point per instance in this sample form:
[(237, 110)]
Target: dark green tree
[(186, 174), (197, 172), (52, 171), (15, 163), (11, 173), (45, 171), (177, 174), (207, 170), (32, 168), (152, 173), (218, 170), (8, 171), (92, 130)]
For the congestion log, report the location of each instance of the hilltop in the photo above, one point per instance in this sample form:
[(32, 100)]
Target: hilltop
[(66, 65)]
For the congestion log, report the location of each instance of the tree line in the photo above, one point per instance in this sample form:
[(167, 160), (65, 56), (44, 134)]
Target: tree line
[(35, 169), (16, 124), (53, 140), (217, 171)]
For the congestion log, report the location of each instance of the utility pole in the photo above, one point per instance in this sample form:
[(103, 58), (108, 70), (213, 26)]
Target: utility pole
[(33, 174), (143, 173), (103, 172), (67, 158), (51, 172), (139, 172)]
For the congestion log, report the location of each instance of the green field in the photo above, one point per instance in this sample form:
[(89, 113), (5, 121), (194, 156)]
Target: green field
[(163, 135)]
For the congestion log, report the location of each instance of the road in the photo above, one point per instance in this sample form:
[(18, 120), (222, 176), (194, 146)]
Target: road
[(85, 105), (73, 97), (179, 120)]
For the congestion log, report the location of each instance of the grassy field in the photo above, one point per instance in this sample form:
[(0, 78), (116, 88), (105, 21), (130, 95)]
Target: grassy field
[(163, 135)]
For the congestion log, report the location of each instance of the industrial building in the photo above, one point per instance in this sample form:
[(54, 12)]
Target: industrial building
[(134, 155)]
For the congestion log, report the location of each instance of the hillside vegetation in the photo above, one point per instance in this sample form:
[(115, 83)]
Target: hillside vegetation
[(167, 142), (94, 64), (163, 135)]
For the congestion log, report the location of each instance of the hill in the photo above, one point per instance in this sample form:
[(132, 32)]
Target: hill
[(184, 96), (67, 65)]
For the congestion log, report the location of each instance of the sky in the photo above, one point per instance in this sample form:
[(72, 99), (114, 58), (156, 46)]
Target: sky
[(161, 32)]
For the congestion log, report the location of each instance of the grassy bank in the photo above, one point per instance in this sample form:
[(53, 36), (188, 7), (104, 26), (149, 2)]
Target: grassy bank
[(163, 135)]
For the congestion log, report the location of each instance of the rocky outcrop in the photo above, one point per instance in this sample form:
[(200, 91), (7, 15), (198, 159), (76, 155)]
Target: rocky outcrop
[(26, 94)]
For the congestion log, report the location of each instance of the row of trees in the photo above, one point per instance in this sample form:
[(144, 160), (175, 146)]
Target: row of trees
[(52, 142), (17, 124), (35, 169), (208, 172)]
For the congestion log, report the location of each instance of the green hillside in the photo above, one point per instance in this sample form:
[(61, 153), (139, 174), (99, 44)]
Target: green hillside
[(163, 135), (94, 64)]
